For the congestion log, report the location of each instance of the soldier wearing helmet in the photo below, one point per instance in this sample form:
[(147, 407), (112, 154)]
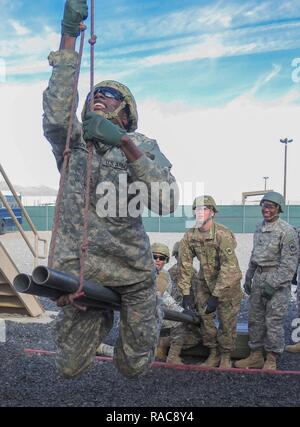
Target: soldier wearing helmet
[(119, 254), (174, 335), (219, 280), (295, 348), (272, 265)]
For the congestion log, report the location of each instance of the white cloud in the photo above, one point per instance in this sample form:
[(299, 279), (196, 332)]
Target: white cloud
[(230, 149), (211, 47), (262, 81), (19, 28), (33, 45)]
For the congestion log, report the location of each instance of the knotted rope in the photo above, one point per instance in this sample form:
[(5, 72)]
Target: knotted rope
[(67, 153)]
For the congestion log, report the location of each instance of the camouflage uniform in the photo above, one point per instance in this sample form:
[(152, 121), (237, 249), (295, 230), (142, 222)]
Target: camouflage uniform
[(174, 273), (274, 261), (219, 276), (185, 335), (119, 254), (298, 275)]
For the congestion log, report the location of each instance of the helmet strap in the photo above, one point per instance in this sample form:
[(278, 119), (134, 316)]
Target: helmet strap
[(114, 114)]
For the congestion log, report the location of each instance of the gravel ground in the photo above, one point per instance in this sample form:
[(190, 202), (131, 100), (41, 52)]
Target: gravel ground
[(31, 380)]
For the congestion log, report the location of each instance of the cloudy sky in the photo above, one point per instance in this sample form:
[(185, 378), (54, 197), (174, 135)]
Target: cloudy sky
[(217, 84)]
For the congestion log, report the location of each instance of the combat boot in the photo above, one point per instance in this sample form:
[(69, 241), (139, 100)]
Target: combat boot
[(271, 360), (293, 348), (105, 350), (225, 360), (161, 351), (255, 360), (174, 354), (213, 359)]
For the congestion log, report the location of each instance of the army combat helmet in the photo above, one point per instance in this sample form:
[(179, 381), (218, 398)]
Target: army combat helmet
[(273, 196), (128, 102), (205, 201), (161, 248)]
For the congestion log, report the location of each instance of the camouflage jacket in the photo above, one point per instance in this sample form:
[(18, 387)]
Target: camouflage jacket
[(164, 282), (219, 267), (164, 290), (275, 245), (119, 250)]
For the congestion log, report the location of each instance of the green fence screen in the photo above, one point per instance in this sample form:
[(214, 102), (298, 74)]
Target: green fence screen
[(239, 218)]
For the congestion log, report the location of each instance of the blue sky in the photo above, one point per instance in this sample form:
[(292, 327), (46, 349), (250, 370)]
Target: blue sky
[(217, 49), (192, 65)]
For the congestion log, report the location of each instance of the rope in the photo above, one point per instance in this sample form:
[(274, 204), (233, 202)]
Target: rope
[(66, 154), (85, 243), (84, 246)]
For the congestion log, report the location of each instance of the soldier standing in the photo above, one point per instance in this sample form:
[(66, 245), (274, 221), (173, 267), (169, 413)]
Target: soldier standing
[(295, 348), (272, 265), (219, 287), (119, 254)]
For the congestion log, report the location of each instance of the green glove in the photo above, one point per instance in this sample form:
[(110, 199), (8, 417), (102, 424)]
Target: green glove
[(97, 128), (247, 285), (268, 291), (75, 12)]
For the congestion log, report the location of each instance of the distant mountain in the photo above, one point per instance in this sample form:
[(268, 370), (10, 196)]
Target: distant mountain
[(30, 191)]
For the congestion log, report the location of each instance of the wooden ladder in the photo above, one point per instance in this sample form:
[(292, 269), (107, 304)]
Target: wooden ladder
[(12, 302)]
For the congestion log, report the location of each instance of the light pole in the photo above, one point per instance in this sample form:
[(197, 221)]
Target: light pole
[(285, 141), (265, 178)]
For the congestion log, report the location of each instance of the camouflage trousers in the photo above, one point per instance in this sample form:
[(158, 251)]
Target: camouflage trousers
[(79, 333), (222, 337), (182, 334), (266, 317)]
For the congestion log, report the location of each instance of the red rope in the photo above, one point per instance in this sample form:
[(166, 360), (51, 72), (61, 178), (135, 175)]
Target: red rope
[(84, 246), (185, 367), (85, 242), (66, 154)]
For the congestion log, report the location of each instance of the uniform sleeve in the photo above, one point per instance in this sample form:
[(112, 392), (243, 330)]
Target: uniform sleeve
[(57, 100), (163, 282), (229, 272), (252, 265), (185, 266), (155, 172), (168, 301), (284, 273)]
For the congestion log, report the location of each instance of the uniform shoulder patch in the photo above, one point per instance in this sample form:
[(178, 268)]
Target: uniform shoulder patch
[(229, 251), (292, 246)]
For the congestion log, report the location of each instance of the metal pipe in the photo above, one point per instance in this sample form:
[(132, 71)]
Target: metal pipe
[(45, 276), (24, 283), (66, 283)]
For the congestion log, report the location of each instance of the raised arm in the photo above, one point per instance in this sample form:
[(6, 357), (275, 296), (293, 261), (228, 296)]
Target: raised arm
[(57, 98)]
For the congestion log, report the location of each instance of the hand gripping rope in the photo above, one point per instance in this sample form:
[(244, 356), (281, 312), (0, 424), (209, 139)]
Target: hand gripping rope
[(67, 153)]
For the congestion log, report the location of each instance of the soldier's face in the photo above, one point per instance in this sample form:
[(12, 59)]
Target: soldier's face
[(159, 261), (104, 101), (203, 213), (269, 210)]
